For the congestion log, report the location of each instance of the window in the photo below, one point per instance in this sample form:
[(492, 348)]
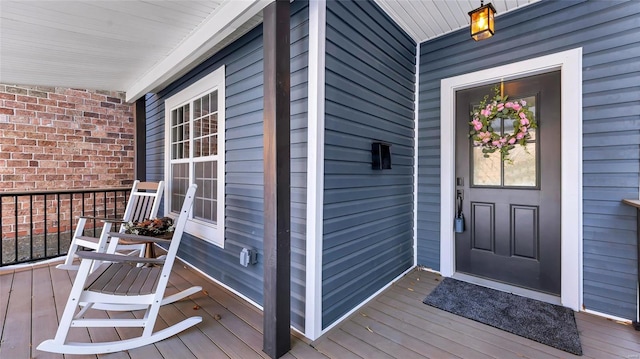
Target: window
[(521, 172), (194, 138)]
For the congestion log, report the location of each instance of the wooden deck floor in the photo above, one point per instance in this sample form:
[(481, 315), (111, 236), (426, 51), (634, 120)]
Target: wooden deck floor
[(394, 325)]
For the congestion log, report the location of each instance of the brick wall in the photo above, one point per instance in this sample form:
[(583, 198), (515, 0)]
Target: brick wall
[(64, 138), (59, 138)]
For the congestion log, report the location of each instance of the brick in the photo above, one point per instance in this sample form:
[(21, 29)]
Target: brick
[(46, 88), (47, 143), (58, 97), (36, 107), (46, 116), (91, 114), (45, 158), (21, 156), (107, 105), (56, 110), (78, 101), (9, 96), (17, 90), (64, 104), (76, 114), (15, 134), (14, 104), (56, 137), (14, 178), (36, 93), (31, 170), (27, 99), (25, 113), (77, 164), (7, 141), (25, 142), (54, 177), (92, 103), (6, 111), (47, 102), (114, 99)]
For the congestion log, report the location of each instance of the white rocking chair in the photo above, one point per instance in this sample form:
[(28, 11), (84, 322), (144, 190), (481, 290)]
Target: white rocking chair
[(120, 285), (143, 203)]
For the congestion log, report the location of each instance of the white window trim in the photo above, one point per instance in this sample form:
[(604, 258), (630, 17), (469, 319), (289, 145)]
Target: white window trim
[(209, 83), (570, 64)]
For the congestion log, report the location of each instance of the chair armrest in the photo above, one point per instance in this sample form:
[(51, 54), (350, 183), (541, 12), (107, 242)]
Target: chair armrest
[(104, 219), (118, 258), (137, 238)]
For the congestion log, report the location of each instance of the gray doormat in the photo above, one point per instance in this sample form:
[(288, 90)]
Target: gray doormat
[(545, 323)]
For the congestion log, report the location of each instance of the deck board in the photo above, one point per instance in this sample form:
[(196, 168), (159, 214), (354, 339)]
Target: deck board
[(43, 301), (395, 324), (17, 329)]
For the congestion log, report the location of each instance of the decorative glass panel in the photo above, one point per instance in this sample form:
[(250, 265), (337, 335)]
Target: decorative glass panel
[(522, 172), (486, 170)]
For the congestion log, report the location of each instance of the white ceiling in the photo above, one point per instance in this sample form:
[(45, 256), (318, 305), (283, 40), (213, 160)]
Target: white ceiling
[(138, 45), (425, 19)]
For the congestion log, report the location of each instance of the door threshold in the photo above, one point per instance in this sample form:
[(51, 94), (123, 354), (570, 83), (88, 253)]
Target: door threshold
[(503, 287)]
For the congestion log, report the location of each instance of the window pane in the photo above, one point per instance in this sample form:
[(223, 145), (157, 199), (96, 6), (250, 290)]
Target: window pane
[(205, 105), (197, 108), (179, 184), (197, 128), (205, 205), (486, 171), (214, 102), (522, 172)]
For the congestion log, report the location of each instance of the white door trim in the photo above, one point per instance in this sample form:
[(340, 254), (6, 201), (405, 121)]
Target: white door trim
[(570, 64)]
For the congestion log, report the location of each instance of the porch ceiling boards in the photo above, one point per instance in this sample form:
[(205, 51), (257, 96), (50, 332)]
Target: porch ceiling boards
[(426, 19), (113, 45), (137, 46), (394, 325)]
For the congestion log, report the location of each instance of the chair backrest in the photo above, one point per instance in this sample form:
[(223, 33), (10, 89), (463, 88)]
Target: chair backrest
[(144, 201), (180, 223)]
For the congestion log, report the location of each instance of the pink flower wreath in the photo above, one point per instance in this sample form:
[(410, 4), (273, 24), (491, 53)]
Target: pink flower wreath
[(483, 134)]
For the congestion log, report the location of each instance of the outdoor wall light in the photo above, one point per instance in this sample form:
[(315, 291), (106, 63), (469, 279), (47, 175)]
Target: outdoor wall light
[(482, 26)]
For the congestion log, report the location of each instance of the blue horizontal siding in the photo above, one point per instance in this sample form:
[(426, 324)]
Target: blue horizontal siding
[(608, 33), (244, 224), (370, 79)]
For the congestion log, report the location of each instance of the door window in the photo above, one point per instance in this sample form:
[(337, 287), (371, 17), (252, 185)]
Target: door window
[(520, 171)]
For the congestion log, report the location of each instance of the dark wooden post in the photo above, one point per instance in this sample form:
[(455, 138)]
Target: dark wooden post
[(140, 139), (277, 173)]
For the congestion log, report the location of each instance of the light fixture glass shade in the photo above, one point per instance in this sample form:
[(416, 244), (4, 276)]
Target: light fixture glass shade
[(482, 24)]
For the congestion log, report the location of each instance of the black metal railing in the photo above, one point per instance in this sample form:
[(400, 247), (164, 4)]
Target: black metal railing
[(37, 225)]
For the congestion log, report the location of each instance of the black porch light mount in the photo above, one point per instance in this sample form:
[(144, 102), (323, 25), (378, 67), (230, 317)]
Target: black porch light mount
[(482, 23)]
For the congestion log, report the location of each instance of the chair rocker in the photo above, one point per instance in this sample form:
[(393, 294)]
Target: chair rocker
[(143, 203), (119, 282)]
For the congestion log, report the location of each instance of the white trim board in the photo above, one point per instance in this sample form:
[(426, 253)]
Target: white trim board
[(416, 130), (315, 169), (570, 64)]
